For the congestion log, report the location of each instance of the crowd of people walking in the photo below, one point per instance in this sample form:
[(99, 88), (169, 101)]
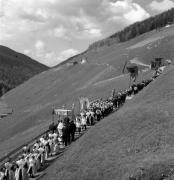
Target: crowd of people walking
[(60, 135)]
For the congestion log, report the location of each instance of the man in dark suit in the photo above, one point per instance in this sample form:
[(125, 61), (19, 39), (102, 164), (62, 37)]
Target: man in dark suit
[(72, 129)]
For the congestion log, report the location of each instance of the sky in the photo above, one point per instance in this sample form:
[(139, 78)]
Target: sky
[(50, 31)]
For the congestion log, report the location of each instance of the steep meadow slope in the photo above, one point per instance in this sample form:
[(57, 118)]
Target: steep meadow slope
[(136, 137), (63, 85)]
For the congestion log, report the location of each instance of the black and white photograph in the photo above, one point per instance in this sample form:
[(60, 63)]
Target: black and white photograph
[(86, 89)]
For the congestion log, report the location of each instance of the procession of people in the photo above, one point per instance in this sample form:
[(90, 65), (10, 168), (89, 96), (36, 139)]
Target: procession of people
[(33, 158)]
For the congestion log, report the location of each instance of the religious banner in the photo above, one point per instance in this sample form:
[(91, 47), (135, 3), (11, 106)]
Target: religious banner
[(84, 103), (133, 70), (62, 112)]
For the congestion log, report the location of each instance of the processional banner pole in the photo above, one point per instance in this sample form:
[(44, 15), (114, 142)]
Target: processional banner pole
[(53, 112)]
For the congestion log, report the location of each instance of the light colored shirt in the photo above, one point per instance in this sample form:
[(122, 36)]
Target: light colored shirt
[(60, 125), (83, 120)]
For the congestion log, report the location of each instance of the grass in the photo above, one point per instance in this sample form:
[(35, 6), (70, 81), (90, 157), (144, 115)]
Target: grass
[(32, 101), (138, 136)]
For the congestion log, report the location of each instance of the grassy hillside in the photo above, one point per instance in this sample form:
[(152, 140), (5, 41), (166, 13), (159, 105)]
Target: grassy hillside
[(32, 113), (144, 47), (16, 68), (64, 84), (139, 136)]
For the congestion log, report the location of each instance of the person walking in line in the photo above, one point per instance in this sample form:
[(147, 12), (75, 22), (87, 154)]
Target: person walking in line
[(67, 129), (78, 124), (60, 127), (65, 135), (24, 171), (42, 155), (2, 174), (98, 114), (72, 130), (56, 147), (84, 121), (18, 173), (32, 166)]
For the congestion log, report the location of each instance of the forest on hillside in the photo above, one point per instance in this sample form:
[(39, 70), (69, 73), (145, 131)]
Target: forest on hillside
[(16, 68), (138, 28)]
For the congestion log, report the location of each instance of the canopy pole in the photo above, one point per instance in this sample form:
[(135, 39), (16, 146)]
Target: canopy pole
[(53, 114), (129, 80)]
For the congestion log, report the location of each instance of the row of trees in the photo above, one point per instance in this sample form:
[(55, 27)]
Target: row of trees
[(153, 23), (4, 87), (10, 78), (138, 28)]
